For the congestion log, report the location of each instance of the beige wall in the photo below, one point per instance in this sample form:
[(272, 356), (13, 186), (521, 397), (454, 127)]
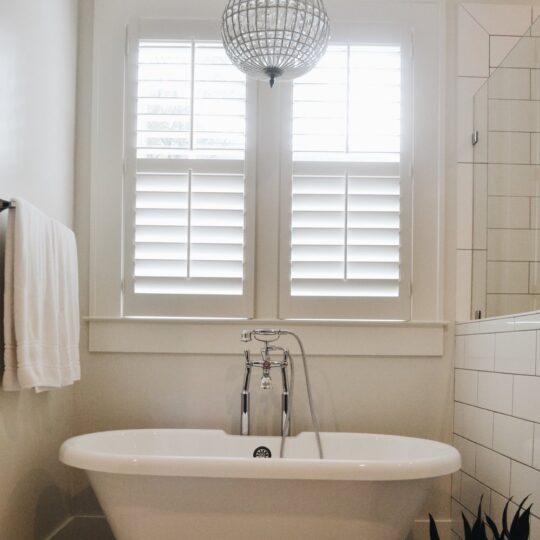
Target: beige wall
[(38, 42)]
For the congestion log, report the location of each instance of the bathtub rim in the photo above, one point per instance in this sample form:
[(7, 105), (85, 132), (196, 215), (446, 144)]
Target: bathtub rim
[(73, 453)]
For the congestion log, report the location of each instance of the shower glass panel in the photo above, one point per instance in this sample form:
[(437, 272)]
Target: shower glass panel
[(506, 185)]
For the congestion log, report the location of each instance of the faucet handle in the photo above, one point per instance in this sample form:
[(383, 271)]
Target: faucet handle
[(266, 382)]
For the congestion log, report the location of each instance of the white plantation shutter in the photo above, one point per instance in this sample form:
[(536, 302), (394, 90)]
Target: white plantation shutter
[(186, 216), (189, 234), (345, 235), (191, 102), (349, 170)]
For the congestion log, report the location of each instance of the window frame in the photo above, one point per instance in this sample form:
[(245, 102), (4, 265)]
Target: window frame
[(183, 305), (101, 168)]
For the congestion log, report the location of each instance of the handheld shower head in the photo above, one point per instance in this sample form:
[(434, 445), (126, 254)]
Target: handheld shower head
[(260, 334)]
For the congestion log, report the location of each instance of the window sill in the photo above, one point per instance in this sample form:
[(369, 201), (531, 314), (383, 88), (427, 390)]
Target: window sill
[(222, 336)]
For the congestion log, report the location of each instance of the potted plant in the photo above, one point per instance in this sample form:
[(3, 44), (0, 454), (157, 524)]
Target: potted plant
[(519, 528)]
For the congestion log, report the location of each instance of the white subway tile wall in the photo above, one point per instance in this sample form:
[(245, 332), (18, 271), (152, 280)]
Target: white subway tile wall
[(493, 470), (508, 83), (508, 277), (502, 19), (480, 189), (473, 46), (466, 384), (536, 447), (465, 210), (501, 46), (495, 392), (525, 482), (472, 490), (527, 397), (535, 79), (480, 352), (467, 449), (502, 225), (474, 423), (514, 438), (515, 352), (509, 213), (497, 417)]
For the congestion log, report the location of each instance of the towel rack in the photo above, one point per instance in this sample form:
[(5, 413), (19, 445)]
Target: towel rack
[(5, 205)]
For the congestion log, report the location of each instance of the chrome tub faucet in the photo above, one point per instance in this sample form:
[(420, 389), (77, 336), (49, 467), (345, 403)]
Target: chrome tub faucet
[(272, 357)]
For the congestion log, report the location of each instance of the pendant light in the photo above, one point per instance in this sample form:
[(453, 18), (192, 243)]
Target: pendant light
[(267, 39)]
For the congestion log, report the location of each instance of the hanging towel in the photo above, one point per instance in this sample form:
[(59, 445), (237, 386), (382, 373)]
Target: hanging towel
[(41, 302)]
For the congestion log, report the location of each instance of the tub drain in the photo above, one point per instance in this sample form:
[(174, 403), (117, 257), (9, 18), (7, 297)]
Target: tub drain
[(262, 452)]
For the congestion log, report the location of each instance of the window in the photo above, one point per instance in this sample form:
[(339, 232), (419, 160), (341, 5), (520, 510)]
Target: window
[(136, 155), (344, 209), (348, 209), (185, 212)]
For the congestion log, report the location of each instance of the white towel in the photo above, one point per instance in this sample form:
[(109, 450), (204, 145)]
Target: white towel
[(41, 302)]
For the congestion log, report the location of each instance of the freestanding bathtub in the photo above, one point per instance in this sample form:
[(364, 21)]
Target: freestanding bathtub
[(175, 484)]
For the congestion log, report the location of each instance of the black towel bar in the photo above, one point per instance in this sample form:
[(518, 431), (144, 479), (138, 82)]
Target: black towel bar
[(5, 205)]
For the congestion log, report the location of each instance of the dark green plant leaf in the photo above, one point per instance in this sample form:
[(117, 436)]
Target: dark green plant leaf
[(519, 529), (479, 530), (494, 529), (523, 525), (466, 527), (505, 530), (433, 532)]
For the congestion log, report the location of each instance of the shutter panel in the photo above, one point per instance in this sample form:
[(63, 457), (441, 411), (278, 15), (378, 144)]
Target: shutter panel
[(345, 223), (188, 217), (189, 234)]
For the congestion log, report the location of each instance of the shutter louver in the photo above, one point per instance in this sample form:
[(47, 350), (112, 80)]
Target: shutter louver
[(188, 223), (345, 223)]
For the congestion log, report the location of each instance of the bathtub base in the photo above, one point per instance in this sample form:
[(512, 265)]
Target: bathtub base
[(173, 508)]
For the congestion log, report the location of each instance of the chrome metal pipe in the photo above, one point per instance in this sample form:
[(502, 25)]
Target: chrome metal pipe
[(244, 417), (285, 402)]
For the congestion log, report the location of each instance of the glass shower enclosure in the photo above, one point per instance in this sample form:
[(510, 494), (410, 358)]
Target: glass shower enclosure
[(506, 185)]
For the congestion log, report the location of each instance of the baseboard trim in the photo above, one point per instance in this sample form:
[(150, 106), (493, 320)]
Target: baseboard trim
[(420, 530), (60, 528)]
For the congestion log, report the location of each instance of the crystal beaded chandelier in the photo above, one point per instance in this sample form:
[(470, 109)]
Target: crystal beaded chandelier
[(267, 39)]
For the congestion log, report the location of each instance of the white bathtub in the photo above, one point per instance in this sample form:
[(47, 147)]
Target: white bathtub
[(204, 484)]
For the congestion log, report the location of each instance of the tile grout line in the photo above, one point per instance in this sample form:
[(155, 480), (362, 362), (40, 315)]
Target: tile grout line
[(496, 412), (499, 331), (494, 490), (495, 452)]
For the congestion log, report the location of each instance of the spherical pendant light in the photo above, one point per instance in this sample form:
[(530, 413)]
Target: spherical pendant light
[(267, 39)]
